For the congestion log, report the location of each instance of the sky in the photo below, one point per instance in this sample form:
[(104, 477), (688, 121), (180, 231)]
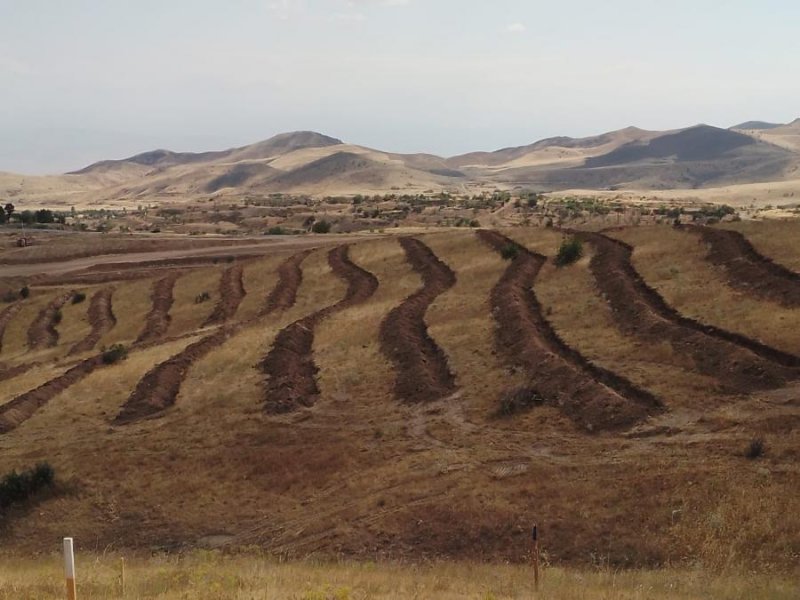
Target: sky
[(84, 80)]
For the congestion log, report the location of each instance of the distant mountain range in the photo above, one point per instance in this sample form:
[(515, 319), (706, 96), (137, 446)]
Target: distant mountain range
[(311, 163)]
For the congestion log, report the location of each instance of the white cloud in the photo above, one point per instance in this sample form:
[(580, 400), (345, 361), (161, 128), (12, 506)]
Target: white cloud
[(516, 28)]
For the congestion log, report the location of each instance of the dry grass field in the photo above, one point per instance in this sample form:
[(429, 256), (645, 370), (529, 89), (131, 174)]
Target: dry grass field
[(208, 575), (406, 429)]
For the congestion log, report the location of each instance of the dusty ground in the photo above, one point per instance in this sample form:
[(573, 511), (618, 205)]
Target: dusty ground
[(362, 470)]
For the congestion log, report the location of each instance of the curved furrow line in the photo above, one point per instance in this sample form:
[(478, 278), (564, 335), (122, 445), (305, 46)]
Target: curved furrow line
[(231, 294), (43, 333), (11, 372), (423, 374), (290, 276), (289, 365), (158, 318), (747, 269), (5, 318), (593, 397), (101, 318), (159, 388), (739, 363), (23, 407)]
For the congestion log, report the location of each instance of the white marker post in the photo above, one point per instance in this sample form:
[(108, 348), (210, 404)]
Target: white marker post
[(69, 568)]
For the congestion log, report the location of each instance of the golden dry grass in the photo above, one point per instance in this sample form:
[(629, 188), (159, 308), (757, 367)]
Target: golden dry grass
[(673, 262), (777, 240), (130, 303), (186, 314), (207, 575)]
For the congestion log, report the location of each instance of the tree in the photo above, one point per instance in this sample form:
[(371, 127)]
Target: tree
[(321, 227), (9, 208)]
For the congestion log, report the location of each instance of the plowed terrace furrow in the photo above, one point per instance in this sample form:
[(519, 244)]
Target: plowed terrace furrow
[(101, 318), (5, 318), (593, 397), (231, 294), (21, 408), (158, 318), (290, 276), (289, 365), (739, 363), (746, 269), (159, 388), (423, 374), (43, 333)]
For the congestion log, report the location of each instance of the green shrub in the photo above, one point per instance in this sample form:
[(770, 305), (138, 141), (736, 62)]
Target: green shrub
[(518, 400), (10, 296), (114, 354), (510, 251), (755, 449), (25, 292), (19, 487), (321, 227), (569, 252), (57, 316), (278, 230), (78, 297), (200, 298)]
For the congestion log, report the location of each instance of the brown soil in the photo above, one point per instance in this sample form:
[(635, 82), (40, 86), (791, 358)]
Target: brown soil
[(159, 388), (43, 333), (23, 407), (101, 318), (746, 269), (740, 364), (5, 318), (423, 373), (158, 319), (231, 294), (290, 276), (596, 399), (290, 363)]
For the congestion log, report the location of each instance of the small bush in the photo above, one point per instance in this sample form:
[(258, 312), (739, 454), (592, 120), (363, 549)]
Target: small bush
[(57, 316), (509, 251), (321, 227), (755, 449), (25, 292), (569, 252), (78, 297), (19, 487), (114, 354), (277, 231), (517, 401), (200, 298)]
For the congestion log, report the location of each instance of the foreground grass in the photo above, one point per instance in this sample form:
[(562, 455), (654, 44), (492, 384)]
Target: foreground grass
[(206, 575)]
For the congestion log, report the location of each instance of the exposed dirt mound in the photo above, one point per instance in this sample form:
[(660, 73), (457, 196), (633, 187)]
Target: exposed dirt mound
[(158, 318), (21, 408), (593, 397), (290, 276), (5, 318), (231, 294), (739, 363), (423, 374), (159, 388), (101, 318), (290, 363), (10, 372), (43, 333), (748, 270)]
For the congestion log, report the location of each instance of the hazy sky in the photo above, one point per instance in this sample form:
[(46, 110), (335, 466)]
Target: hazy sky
[(84, 80)]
